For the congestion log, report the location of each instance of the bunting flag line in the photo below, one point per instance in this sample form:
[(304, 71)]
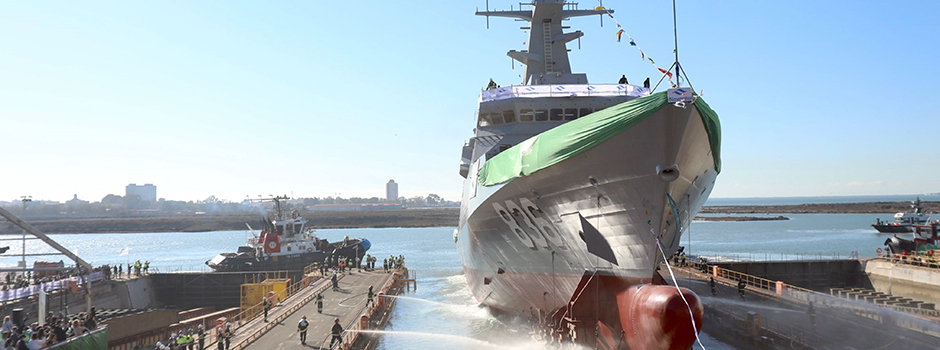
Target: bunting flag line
[(666, 72), (621, 32)]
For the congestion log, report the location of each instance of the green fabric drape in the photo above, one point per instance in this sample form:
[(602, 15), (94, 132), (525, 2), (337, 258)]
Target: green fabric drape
[(571, 138)]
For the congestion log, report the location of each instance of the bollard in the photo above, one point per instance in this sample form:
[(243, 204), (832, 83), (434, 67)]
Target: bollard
[(380, 302), (364, 322)]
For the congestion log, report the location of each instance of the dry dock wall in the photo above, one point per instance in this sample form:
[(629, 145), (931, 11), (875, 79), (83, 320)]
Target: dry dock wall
[(819, 275), (221, 290), (915, 282)]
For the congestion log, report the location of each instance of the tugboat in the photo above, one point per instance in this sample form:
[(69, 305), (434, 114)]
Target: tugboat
[(904, 222), (286, 243)]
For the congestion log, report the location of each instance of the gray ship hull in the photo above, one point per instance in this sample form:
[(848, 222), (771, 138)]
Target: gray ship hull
[(527, 244)]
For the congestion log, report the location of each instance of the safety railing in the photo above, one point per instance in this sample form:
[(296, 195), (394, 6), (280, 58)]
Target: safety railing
[(925, 259), (733, 257), (749, 280), (562, 90)]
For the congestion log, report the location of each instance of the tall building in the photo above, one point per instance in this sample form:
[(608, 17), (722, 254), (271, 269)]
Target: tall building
[(391, 191), (147, 192)]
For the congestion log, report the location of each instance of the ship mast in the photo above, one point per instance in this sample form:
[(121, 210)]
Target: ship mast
[(546, 60)]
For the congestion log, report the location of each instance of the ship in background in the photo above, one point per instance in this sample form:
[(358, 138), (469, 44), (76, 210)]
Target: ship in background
[(904, 222), (571, 188), (286, 243)]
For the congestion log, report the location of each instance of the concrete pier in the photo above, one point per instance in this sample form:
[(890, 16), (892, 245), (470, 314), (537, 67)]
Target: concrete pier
[(348, 304)]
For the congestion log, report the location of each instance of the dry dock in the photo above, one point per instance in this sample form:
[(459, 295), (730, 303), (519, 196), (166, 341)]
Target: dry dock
[(774, 314)]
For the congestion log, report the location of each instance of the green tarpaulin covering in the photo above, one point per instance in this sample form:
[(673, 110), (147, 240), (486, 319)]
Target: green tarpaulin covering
[(574, 137)]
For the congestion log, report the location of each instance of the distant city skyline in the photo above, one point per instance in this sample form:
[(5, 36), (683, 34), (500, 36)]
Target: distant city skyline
[(240, 99)]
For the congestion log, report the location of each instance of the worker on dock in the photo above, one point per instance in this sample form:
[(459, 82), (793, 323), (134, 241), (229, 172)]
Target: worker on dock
[(266, 305), (811, 311), (370, 298), (319, 303), (335, 282), (711, 282), (302, 328), (385, 265), (228, 335), (741, 287), (201, 336), (336, 332)]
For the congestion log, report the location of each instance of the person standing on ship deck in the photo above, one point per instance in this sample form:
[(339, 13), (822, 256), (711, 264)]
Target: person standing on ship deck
[(623, 80), (491, 85)]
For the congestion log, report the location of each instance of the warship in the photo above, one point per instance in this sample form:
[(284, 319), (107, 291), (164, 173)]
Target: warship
[(574, 193)]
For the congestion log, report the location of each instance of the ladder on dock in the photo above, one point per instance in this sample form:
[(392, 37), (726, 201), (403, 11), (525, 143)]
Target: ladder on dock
[(409, 278)]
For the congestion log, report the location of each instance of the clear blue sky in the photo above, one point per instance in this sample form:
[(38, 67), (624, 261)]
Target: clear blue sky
[(241, 98)]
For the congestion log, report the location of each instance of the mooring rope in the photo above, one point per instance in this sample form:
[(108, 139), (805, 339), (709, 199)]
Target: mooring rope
[(676, 284)]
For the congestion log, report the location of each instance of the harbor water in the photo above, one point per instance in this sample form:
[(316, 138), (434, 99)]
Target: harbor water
[(442, 309)]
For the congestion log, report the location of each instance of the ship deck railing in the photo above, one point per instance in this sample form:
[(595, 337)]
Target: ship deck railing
[(563, 90)]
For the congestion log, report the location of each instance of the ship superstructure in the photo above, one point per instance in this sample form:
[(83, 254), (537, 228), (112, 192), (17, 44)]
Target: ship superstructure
[(571, 188)]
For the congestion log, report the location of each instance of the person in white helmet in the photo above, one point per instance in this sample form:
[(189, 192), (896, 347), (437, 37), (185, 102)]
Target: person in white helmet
[(302, 328)]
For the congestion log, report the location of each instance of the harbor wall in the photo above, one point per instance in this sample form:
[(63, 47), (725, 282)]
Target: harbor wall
[(818, 275), (915, 282)]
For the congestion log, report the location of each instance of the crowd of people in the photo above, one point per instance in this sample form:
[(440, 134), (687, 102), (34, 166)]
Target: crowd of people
[(13, 280), (340, 264), (135, 269), (56, 329)]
